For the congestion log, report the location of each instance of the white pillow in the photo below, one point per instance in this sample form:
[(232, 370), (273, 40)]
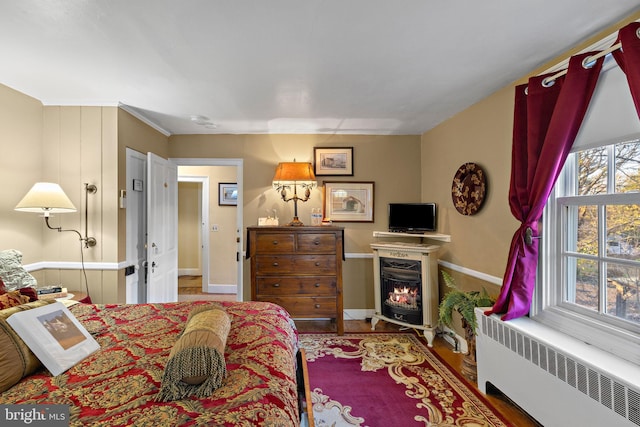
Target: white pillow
[(12, 272)]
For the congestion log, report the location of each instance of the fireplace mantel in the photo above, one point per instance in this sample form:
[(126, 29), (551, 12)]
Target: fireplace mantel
[(432, 236)]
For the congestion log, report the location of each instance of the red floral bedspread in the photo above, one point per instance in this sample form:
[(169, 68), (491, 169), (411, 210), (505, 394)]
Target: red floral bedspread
[(117, 385)]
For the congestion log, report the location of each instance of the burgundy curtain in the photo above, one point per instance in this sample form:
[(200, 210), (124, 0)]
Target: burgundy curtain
[(628, 58), (546, 122)]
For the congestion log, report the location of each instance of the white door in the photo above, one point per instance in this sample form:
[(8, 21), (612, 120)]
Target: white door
[(162, 230)]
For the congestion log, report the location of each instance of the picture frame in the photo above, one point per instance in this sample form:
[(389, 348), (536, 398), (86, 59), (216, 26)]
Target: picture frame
[(336, 161), (348, 201), (54, 335), (227, 194)]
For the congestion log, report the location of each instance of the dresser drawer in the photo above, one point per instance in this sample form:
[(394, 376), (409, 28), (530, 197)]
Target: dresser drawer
[(308, 307), (319, 242), (290, 286), (275, 242), (295, 264)]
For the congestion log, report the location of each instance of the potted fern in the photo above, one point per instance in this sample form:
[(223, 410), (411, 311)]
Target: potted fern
[(464, 303)]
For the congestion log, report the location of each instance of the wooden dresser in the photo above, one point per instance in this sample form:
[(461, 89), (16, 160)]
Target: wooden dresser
[(300, 269)]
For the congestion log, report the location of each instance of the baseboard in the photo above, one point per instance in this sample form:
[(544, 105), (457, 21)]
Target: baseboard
[(189, 272), (457, 342), (222, 289), (358, 313)]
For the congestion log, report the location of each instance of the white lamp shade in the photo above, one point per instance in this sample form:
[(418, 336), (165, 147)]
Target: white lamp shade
[(45, 197)]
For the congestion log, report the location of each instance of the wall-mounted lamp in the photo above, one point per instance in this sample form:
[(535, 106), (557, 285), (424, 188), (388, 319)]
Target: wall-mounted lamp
[(290, 175), (48, 198)]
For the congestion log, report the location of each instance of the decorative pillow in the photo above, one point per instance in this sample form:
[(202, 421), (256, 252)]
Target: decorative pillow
[(29, 292), (11, 299), (16, 360), (196, 365), (12, 272)]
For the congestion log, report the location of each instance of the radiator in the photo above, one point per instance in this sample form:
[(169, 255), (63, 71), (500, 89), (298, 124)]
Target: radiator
[(553, 382)]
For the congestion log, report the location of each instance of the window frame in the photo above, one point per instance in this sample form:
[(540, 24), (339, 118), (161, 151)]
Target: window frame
[(548, 307)]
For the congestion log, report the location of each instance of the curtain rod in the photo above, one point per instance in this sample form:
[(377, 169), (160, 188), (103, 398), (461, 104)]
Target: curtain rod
[(585, 63)]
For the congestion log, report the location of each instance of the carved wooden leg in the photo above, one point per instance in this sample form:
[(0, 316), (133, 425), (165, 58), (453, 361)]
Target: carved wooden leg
[(429, 334), (374, 322)]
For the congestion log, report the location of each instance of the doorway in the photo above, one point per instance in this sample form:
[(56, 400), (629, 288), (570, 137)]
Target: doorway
[(206, 232), (134, 201), (219, 225)]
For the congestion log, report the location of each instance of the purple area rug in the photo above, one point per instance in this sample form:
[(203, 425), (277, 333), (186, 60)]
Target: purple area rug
[(387, 380)]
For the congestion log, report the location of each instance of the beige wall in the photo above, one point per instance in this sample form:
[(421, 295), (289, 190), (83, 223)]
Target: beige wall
[(20, 167), (189, 239), (481, 134), (80, 146), (70, 146), (392, 162)]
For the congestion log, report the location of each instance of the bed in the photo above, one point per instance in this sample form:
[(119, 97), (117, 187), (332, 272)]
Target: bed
[(118, 384)]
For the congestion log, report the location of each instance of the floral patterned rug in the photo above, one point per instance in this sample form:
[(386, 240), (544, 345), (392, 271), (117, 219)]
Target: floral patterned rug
[(387, 380)]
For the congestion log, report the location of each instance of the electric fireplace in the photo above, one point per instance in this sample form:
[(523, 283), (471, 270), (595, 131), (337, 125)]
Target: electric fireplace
[(401, 289), (406, 286)]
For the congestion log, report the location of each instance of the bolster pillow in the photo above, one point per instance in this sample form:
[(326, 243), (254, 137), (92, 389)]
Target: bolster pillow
[(196, 365)]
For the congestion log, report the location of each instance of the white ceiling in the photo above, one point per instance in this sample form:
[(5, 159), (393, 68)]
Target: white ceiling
[(287, 66)]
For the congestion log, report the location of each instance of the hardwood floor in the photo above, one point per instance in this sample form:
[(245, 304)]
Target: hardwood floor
[(190, 288), (512, 413)]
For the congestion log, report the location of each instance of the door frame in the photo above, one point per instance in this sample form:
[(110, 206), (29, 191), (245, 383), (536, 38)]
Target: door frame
[(238, 163), (136, 220)]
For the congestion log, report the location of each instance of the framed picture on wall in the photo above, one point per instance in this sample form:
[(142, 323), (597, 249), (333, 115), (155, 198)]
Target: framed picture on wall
[(227, 194), (348, 201), (337, 161)]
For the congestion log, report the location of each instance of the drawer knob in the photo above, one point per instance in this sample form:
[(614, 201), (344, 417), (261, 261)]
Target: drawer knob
[(275, 242), (275, 264), (317, 264), (317, 285), (276, 285), (316, 242), (317, 305)]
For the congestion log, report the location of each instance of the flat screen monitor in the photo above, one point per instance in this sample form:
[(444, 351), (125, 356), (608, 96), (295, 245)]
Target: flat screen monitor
[(412, 217)]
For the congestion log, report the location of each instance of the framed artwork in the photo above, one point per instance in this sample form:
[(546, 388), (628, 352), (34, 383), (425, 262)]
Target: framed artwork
[(337, 161), (348, 201), (227, 194), (54, 335)]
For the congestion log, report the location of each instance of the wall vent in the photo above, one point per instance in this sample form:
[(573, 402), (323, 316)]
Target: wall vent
[(617, 397)]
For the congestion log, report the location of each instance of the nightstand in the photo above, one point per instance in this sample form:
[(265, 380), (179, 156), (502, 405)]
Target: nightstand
[(77, 296)]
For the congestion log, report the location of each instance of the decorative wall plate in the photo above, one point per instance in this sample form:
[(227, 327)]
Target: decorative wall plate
[(468, 189)]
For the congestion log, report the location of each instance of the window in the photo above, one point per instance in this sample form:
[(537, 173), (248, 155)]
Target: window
[(592, 270), (589, 269)]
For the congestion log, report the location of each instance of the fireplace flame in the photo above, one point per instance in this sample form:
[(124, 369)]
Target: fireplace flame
[(404, 295)]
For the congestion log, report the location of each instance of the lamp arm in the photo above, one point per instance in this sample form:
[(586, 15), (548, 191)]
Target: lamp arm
[(282, 189), (88, 241)]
